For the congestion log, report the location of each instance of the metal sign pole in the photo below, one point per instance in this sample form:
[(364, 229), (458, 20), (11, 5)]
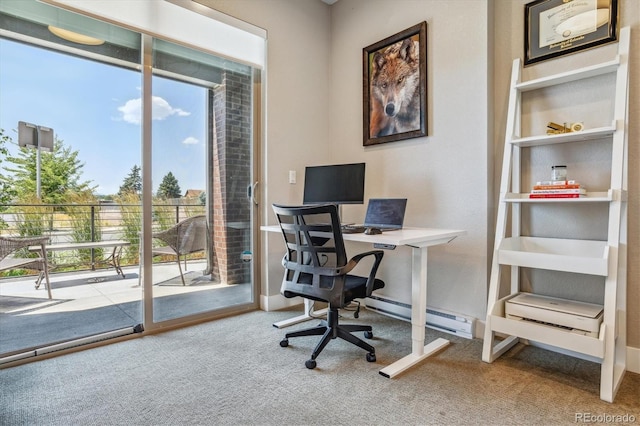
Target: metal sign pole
[(38, 191), (41, 138)]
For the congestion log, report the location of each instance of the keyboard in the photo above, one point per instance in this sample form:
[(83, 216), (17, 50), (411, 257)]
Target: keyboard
[(352, 229)]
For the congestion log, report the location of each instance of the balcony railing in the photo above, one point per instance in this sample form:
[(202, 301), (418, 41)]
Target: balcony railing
[(64, 223)]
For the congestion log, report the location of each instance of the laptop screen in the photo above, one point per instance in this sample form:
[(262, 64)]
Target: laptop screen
[(385, 213)]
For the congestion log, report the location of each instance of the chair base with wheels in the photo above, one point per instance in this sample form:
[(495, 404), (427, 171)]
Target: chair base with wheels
[(330, 329)]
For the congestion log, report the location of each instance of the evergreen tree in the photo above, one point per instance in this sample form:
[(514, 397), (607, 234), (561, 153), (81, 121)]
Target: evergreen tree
[(169, 187), (60, 173), (132, 183)]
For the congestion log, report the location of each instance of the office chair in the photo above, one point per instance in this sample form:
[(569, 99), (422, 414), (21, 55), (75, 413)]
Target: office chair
[(316, 268)]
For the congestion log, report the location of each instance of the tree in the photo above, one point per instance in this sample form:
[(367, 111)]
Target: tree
[(5, 189), (169, 187), (132, 183), (60, 174)]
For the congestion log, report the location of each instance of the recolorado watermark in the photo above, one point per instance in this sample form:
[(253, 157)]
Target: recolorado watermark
[(605, 418)]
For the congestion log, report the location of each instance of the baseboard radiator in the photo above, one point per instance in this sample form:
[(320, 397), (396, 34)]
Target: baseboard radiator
[(437, 319), (71, 344)]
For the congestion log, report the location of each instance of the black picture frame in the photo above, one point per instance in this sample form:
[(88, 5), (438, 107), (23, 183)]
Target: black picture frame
[(555, 28), (394, 85)]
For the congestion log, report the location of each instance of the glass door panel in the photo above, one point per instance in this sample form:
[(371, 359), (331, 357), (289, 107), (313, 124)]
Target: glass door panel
[(69, 194), (201, 172)]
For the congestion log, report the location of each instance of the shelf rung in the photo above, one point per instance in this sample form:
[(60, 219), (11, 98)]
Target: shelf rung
[(548, 335), (590, 197), (556, 254), (565, 77), (585, 135)]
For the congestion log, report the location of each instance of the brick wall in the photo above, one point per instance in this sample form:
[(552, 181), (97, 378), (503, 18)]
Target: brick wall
[(231, 171)]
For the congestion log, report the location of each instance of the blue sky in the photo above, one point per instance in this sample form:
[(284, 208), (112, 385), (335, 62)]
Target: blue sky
[(95, 109)]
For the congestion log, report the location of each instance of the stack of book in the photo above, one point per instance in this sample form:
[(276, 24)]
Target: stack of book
[(558, 189)]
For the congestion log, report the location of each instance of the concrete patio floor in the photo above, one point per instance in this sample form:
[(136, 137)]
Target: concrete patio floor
[(93, 302)]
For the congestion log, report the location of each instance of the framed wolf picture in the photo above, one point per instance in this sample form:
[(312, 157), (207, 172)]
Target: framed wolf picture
[(395, 87)]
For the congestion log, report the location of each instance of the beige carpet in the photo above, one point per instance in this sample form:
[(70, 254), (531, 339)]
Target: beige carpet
[(233, 372)]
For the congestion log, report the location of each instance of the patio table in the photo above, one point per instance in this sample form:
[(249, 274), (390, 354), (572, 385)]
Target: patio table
[(112, 260)]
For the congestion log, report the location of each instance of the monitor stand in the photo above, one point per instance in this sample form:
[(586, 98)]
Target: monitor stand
[(373, 231)]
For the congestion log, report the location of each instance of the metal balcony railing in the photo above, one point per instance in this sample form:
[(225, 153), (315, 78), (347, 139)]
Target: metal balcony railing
[(65, 223)]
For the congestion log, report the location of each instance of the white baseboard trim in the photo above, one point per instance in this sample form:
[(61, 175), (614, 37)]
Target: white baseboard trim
[(633, 359), (277, 302)]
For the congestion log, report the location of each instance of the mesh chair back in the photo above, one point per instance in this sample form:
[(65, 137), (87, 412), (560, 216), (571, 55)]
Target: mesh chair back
[(315, 253)]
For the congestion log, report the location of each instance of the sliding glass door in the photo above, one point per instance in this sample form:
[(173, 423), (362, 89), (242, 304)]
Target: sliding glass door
[(154, 154)]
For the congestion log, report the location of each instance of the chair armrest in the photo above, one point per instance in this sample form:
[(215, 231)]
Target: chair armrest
[(21, 242), (374, 269)]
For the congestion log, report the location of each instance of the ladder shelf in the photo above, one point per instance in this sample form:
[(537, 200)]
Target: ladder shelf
[(514, 249)]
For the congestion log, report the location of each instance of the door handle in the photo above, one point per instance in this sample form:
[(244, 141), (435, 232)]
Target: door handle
[(252, 193)]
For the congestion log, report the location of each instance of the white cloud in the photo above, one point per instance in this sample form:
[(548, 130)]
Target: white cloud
[(190, 141), (161, 109)]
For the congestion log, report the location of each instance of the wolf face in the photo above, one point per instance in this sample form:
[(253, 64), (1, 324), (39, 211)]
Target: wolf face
[(395, 99)]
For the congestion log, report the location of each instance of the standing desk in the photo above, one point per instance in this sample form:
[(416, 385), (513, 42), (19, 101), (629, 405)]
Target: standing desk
[(419, 239)]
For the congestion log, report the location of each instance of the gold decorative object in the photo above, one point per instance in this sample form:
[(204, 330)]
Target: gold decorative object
[(555, 128), (576, 127)]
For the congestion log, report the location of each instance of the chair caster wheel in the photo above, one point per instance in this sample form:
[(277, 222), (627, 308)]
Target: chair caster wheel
[(284, 343), (368, 334), (311, 364), (371, 357)]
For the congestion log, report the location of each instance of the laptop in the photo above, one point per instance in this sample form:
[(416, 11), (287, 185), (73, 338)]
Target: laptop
[(384, 214)]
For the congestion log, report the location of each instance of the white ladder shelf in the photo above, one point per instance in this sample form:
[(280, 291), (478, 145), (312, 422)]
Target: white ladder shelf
[(600, 258)]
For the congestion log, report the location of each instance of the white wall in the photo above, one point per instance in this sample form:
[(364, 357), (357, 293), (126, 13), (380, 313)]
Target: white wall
[(444, 175), (314, 116)]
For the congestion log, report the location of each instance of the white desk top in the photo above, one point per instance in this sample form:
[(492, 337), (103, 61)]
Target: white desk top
[(414, 237)]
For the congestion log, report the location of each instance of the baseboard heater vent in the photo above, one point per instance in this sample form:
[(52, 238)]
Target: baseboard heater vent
[(437, 319), (72, 344)]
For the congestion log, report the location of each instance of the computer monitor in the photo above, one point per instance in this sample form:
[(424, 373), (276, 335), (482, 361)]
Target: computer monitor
[(334, 184)]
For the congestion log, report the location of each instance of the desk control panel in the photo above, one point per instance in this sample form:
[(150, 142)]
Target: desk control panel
[(384, 246)]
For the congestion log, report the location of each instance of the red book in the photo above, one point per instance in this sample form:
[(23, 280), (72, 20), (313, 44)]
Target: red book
[(554, 195), (566, 186)]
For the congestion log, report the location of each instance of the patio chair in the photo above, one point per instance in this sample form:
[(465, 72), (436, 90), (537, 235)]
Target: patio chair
[(9, 245), (185, 237)]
